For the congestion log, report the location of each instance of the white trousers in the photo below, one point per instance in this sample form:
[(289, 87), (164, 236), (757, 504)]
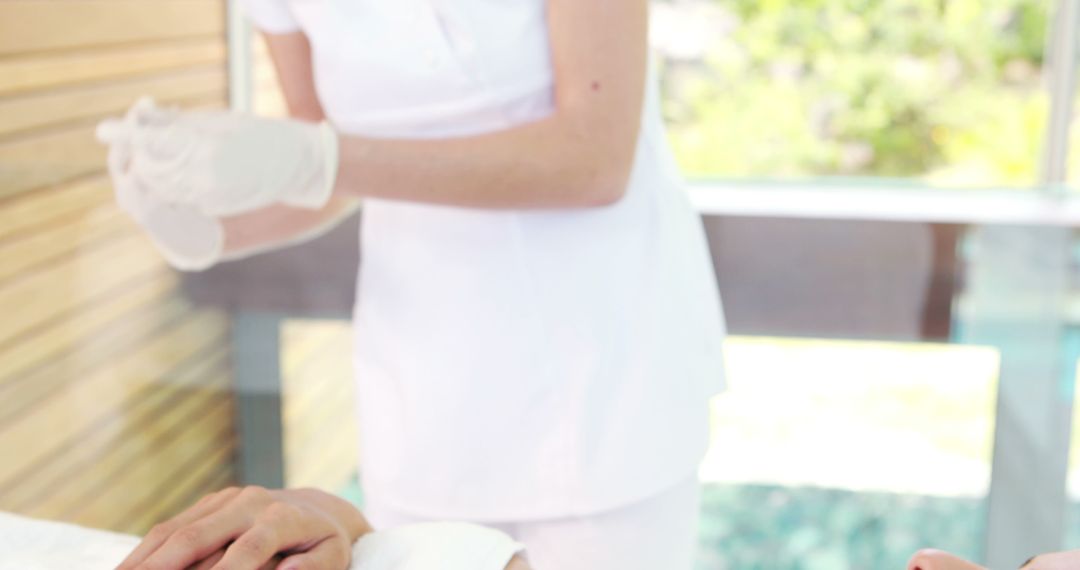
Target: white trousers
[(658, 533)]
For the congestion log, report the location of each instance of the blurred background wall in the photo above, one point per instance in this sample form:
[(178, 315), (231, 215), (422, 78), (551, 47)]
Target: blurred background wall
[(115, 408)]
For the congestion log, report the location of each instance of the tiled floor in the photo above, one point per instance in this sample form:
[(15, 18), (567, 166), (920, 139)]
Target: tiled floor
[(763, 527)]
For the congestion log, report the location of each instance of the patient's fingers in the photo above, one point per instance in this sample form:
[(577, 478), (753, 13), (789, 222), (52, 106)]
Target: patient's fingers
[(197, 540), (161, 532), (326, 554), (279, 528), (252, 549), (209, 562), (245, 529)]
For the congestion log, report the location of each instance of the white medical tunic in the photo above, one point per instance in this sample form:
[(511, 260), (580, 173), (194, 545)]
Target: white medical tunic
[(511, 365)]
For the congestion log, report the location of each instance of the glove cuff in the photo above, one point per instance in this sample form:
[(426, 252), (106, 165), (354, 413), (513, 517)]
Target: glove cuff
[(316, 195), (186, 238)]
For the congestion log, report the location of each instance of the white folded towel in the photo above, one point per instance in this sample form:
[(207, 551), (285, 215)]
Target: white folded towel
[(29, 544)]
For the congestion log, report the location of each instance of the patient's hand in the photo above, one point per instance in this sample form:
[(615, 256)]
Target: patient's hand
[(1056, 561), (251, 528), (938, 560), (930, 559), (518, 563)]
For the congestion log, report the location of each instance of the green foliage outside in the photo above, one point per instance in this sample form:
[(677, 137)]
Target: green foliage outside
[(947, 91)]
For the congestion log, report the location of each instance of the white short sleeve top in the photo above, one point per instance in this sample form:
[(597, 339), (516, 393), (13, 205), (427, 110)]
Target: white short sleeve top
[(511, 364)]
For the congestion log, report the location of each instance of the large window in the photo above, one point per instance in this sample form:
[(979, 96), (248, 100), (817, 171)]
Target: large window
[(900, 360), (949, 93)]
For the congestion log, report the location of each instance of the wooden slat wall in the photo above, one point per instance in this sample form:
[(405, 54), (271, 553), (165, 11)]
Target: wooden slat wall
[(321, 446), (268, 99), (115, 408)]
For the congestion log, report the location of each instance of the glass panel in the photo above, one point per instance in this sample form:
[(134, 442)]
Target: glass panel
[(848, 454), (318, 405), (859, 423), (866, 382), (1072, 525), (946, 93)]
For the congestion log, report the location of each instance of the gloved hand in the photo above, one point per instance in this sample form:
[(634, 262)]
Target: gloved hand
[(187, 238), (224, 163)]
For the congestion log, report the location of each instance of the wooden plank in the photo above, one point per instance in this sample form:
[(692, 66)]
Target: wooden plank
[(49, 71), (214, 473), (332, 360), (36, 298), (80, 471), (134, 453), (264, 73), (77, 332), (268, 99), (28, 163), (31, 387), (329, 370), (304, 439), (322, 442), (102, 392), (27, 212), (208, 428), (320, 437), (210, 472), (74, 463), (271, 107), (95, 102), (49, 158), (37, 25), (302, 341), (330, 447), (50, 243), (259, 49), (331, 468), (150, 348)]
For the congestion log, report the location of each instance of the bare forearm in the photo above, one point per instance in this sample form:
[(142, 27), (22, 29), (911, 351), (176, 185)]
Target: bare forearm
[(262, 228), (277, 224), (580, 156), (558, 162)]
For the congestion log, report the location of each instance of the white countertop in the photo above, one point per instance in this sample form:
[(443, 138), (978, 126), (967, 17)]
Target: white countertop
[(885, 202)]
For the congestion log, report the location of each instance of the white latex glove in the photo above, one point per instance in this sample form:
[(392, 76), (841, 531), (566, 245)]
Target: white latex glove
[(226, 163), (187, 238)]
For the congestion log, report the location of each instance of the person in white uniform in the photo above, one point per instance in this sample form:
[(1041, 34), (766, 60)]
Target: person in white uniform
[(538, 327)]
